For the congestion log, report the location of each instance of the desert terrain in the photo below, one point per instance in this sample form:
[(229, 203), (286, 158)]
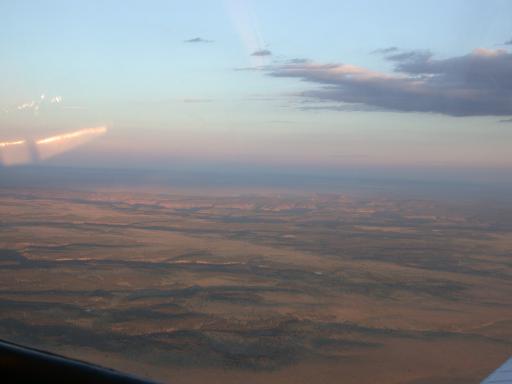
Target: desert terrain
[(259, 288)]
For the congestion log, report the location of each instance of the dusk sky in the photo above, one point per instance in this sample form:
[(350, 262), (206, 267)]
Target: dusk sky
[(265, 83)]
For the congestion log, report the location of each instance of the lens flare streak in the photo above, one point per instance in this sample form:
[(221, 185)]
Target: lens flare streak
[(26, 151), (11, 143), (73, 135)]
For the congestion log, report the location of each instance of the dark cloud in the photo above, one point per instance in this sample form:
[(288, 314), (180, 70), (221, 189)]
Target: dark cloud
[(385, 51), (262, 52), (410, 56), (509, 42), (197, 100), (339, 108), (506, 120), (198, 40), (298, 61), (476, 84)]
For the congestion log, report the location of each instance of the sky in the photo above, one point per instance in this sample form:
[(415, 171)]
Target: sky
[(268, 84)]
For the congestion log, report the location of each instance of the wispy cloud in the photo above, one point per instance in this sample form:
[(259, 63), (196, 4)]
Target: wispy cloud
[(298, 61), (197, 100), (385, 51), (261, 52), (476, 84), (56, 100), (408, 56), (197, 40), (29, 105), (35, 105)]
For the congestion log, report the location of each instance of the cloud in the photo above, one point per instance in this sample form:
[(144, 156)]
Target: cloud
[(410, 56), (197, 100), (56, 100), (509, 42), (261, 52), (298, 61), (30, 105), (506, 120), (198, 40), (385, 51), (475, 84), (35, 105), (339, 107)]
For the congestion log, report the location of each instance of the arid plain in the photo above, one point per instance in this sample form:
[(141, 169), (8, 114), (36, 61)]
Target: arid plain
[(259, 288)]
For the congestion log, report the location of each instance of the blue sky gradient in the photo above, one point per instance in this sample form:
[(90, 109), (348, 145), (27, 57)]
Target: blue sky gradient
[(127, 65)]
